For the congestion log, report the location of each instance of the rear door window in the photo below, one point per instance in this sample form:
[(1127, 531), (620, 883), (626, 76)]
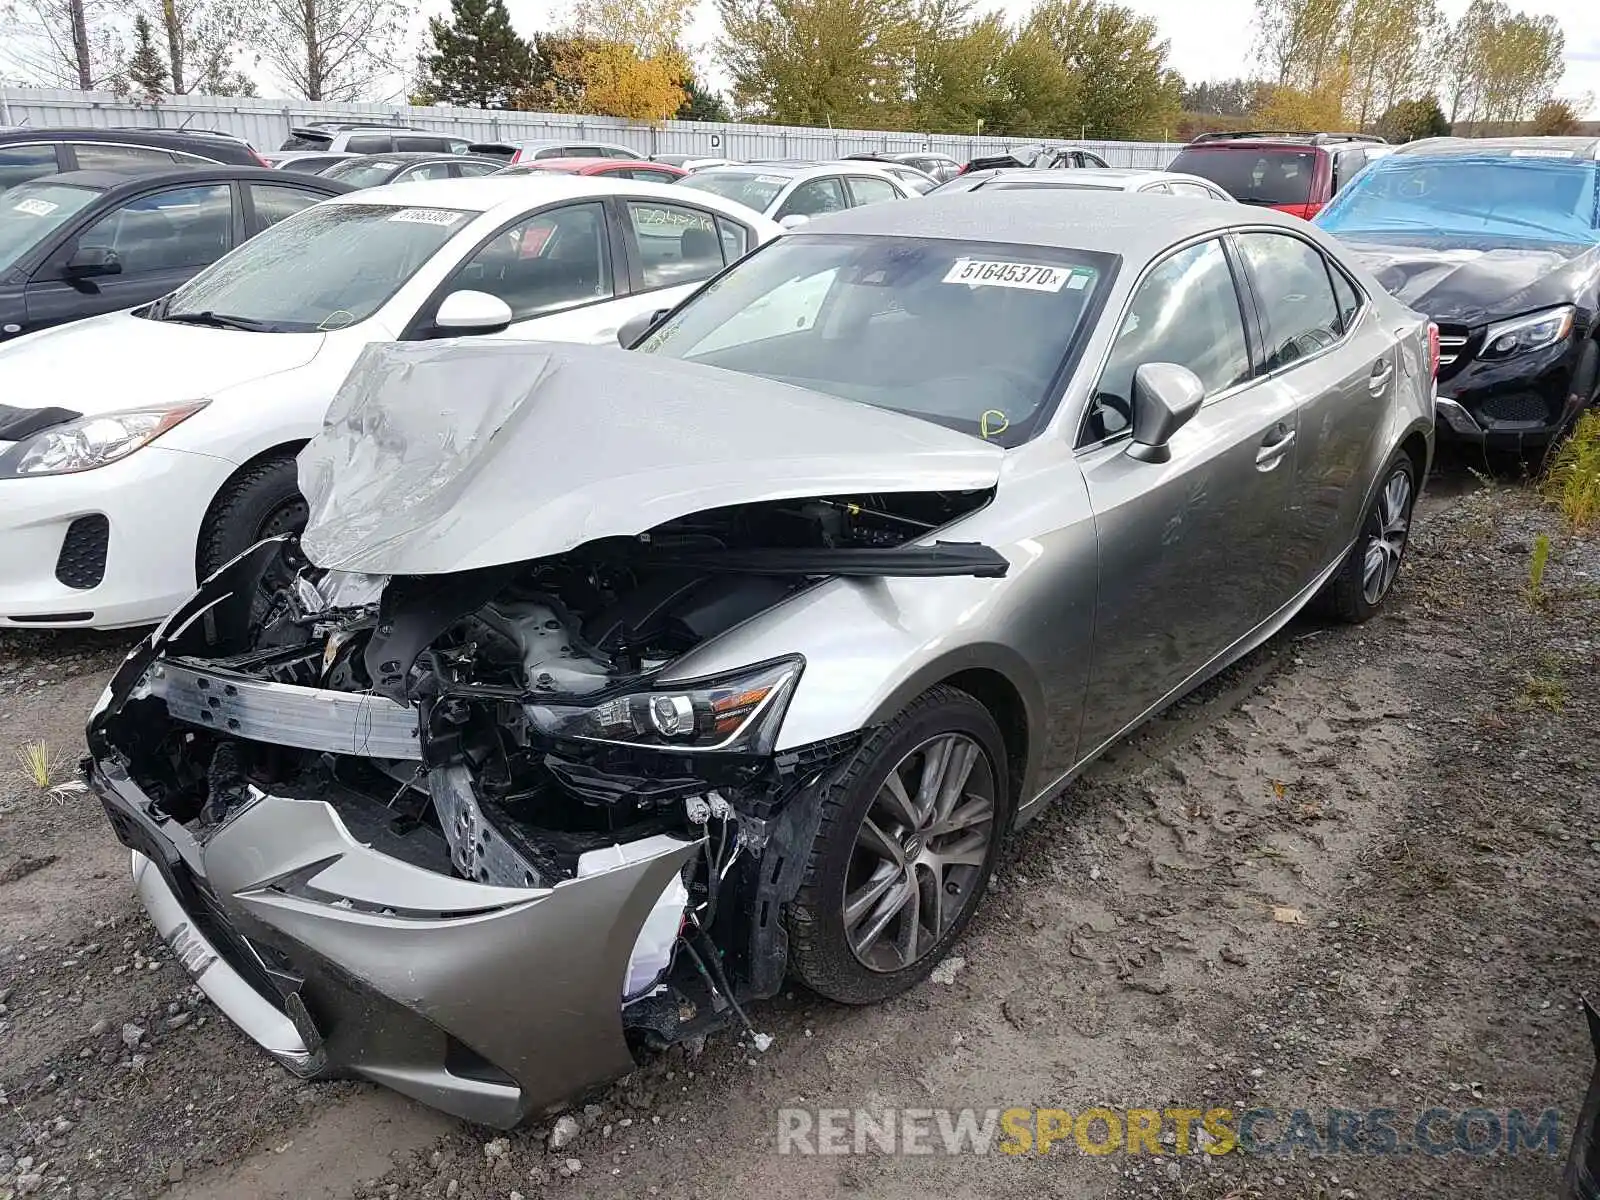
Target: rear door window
[(1295, 294), (866, 190), (434, 170), (428, 143), (1265, 177), (369, 143), (19, 164), (677, 244), (273, 202), (815, 197), (571, 152)]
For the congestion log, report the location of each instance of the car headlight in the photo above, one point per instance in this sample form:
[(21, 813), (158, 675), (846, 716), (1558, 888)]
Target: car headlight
[(736, 713), (89, 442), (1532, 332)]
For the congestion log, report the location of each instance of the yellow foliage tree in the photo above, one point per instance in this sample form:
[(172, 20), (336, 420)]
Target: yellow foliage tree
[(1279, 106), (607, 78)]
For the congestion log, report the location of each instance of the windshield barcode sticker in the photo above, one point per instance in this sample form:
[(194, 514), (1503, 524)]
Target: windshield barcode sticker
[(427, 216), (1034, 277), (1541, 154), (778, 179), (35, 208)]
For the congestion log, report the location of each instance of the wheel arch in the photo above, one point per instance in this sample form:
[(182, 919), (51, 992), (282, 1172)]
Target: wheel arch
[(998, 678)]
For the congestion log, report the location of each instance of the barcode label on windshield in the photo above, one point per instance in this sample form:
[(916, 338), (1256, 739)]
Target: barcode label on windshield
[(981, 272), (427, 216), (35, 208)]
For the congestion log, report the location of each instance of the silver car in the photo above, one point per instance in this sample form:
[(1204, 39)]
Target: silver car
[(607, 690)]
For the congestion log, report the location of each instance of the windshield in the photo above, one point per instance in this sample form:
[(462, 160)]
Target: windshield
[(1544, 195), (325, 268), (31, 212), (362, 172), (749, 188), (970, 335), (1251, 176)]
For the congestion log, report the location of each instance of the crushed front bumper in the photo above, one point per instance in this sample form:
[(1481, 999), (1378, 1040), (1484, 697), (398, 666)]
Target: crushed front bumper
[(489, 1003)]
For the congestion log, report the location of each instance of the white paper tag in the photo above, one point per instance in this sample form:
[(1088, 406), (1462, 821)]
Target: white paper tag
[(427, 216), (778, 179), (1541, 154), (383, 166), (1033, 277), (35, 208)]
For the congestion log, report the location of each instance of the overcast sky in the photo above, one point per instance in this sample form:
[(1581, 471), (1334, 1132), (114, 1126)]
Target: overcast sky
[(1211, 39)]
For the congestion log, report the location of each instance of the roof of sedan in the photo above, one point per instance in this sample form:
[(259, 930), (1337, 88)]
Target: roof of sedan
[(488, 192), (1566, 147), (105, 179), (1126, 223)]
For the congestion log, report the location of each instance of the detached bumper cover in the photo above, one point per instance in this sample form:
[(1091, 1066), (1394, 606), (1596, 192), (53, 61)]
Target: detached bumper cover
[(487, 1002)]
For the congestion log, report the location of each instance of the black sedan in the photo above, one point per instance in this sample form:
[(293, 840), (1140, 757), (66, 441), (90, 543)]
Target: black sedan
[(1498, 240), (375, 170), (88, 242)]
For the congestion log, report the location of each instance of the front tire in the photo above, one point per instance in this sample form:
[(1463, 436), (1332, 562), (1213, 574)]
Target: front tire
[(261, 501), (1363, 583), (910, 835)]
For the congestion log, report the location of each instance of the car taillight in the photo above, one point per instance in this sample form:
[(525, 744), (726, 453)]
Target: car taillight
[(1433, 349), (516, 158), (256, 154)]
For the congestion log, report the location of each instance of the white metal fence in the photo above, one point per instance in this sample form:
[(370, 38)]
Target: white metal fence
[(266, 122)]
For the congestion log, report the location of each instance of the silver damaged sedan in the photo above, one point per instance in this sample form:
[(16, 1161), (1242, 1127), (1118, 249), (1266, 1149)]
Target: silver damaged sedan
[(607, 690)]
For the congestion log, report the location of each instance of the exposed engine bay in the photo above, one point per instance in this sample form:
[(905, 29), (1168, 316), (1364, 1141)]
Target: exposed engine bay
[(510, 725)]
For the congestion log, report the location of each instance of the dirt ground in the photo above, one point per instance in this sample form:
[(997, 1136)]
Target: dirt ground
[(1357, 872)]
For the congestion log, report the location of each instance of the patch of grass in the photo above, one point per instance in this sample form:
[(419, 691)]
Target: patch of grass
[(1546, 691), (1572, 480), (39, 764), (1536, 565)]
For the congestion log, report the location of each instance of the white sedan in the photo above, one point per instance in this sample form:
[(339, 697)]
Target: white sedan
[(141, 449), (791, 193)]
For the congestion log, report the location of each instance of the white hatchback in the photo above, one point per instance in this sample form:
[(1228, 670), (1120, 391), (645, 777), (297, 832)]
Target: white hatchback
[(142, 448)]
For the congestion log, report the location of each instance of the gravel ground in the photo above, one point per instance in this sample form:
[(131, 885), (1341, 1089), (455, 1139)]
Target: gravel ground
[(1356, 871)]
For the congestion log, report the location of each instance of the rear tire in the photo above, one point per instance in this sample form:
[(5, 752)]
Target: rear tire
[(261, 501), (1367, 575), (918, 877)]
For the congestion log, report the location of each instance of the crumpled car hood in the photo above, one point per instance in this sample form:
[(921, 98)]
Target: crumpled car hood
[(1453, 280), (438, 457)]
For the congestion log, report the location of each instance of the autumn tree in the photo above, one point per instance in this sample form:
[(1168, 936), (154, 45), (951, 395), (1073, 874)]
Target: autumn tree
[(1389, 51), (146, 72), (200, 41), (1125, 89), (1555, 118), (1298, 41), (1038, 95), (475, 57), (329, 49), (820, 62), (1279, 106), (1224, 98), (589, 75)]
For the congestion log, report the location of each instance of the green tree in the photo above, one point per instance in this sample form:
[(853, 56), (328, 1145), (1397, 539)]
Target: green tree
[(820, 62), (477, 59), (1408, 120), (700, 103), (1223, 98), (1298, 41), (1125, 90), (958, 70), (1390, 50), (146, 71), (1038, 95)]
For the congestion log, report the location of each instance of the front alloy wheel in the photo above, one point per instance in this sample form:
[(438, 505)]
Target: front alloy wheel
[(918, 852), (909, 834)]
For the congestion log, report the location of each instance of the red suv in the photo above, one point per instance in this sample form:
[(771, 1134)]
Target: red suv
[(1295, 173)]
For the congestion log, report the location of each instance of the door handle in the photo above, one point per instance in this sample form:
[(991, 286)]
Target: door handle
[(1379, 379), (1274, 447)]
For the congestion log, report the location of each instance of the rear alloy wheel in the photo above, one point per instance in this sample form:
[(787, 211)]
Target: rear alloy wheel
[(910, 834), (1358, 591)]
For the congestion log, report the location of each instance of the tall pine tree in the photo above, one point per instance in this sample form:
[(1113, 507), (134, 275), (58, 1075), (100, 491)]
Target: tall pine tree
[(147, 70), (477, 59)]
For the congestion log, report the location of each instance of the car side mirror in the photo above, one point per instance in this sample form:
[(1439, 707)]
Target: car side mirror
[(1165, 397), (93, 262), (467, 312), (635, 329), (793, 220)]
